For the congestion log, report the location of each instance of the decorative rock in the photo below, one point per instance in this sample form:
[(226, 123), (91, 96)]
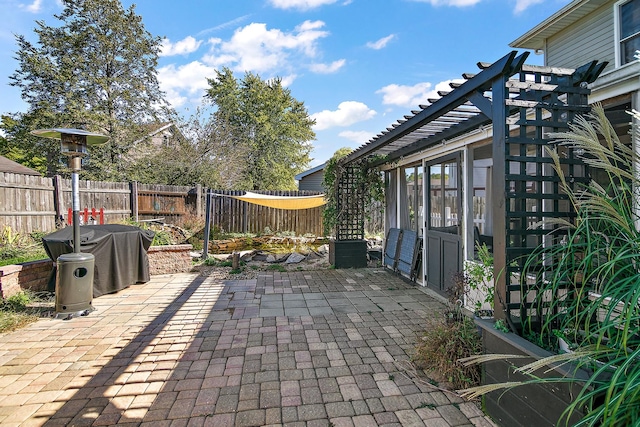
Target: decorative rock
[(246, 255), (295, 258), (314, 255), (282, 257)]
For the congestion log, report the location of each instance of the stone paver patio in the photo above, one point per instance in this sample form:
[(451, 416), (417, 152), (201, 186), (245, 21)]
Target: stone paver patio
[(310, 348)]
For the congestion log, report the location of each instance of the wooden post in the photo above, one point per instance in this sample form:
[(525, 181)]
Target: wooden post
[(57, 201), (498, 198), (134, 200), (235, 260), (199, 200), (207, 227), (245, 218)]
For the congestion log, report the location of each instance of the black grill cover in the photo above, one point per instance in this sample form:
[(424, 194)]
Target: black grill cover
[(120, 253)]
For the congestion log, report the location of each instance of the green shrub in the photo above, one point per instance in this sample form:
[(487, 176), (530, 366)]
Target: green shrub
[(161, 238), (16, 302)]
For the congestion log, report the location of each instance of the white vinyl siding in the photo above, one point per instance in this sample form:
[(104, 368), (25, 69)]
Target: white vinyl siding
[(592, 38)]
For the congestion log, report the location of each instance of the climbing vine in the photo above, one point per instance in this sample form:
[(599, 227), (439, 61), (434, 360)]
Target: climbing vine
[(367, 180)]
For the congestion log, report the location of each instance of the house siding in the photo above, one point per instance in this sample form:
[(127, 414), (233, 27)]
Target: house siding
[(312, 182), (590, 39)]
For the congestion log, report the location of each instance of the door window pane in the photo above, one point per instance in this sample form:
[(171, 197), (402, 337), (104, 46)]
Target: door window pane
[(451, 194), (435, 197)]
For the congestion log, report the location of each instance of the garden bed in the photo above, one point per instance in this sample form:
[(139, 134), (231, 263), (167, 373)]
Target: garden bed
[(526, 405)]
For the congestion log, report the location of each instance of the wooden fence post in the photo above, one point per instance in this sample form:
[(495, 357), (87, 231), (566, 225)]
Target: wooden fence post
[(207, 226), (57, 201), (134, 200), (199, 200)]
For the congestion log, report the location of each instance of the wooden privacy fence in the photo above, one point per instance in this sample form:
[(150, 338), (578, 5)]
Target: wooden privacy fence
[(232, 215), (30, 203)]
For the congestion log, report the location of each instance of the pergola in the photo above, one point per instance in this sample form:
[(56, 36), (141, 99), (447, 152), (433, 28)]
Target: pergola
[(523, 105)]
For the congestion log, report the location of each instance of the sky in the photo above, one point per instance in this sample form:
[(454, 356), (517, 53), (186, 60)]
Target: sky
[(358, 65)]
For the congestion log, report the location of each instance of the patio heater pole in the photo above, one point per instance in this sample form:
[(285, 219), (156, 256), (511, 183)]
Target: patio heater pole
[(75, 162), (74, 272)]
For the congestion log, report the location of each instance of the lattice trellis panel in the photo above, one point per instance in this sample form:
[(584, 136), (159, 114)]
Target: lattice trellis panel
[(540, 104), (350, 196)]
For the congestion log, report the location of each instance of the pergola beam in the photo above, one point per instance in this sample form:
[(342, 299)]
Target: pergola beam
[(481, 82)]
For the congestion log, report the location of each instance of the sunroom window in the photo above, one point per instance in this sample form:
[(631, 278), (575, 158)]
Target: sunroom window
[(629, 30)]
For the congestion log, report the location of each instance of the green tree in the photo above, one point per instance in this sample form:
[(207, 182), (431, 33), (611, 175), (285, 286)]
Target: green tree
[(201, 152), (268, 126), (96, 70)]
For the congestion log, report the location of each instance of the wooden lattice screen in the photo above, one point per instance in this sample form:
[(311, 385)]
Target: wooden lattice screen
[(546, 103), (349, 197)]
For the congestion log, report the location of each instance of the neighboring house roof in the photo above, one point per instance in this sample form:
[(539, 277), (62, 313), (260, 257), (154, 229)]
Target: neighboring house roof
[(568, 15), (154, 129), (310, 171), (10, 166), (161, 127)]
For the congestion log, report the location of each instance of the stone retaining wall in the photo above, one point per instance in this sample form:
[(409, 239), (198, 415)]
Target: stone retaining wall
[(35, 275), (32, 275), (169, 259)]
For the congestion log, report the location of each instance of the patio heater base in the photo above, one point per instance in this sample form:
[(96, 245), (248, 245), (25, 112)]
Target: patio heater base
[(74, 285)]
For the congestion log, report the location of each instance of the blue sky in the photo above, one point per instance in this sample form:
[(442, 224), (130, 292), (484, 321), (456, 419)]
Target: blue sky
[(358, 65)]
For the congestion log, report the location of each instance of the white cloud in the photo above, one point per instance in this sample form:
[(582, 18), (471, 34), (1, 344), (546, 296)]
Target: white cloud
[(359, 136), (288, 80), (258, 49), (348, 113), (412, 96), (522, 5), (224, 25), (328, 68), (300, 4), (183, 47), (34, 7), (190, 78), (454, 3), (379, 44)]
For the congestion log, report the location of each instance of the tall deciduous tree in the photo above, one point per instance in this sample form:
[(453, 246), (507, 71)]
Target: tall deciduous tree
[(201, 152), (268, 124), (97, 70)]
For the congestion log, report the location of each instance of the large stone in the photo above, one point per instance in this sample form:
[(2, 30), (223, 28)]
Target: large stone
[(295, 258)]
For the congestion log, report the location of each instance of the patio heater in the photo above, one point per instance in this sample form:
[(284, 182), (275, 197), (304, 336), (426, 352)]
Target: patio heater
[(74, 274)]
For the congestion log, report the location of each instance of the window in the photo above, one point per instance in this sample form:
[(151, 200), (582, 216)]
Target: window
[(411, 211), (444, 196), (628, 30)]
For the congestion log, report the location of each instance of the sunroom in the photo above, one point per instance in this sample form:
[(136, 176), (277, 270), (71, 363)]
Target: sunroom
[(470, 168)]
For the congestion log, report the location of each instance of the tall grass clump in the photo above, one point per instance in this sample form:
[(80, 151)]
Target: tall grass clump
[(441, 346), (588, 282)]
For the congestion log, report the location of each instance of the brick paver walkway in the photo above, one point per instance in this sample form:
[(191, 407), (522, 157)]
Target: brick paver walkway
[(306, 348)]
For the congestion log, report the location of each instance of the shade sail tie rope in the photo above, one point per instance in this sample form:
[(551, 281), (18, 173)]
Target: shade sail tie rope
[(280, 202)]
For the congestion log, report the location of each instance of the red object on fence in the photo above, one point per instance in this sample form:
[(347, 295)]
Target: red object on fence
[(84, 216)]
